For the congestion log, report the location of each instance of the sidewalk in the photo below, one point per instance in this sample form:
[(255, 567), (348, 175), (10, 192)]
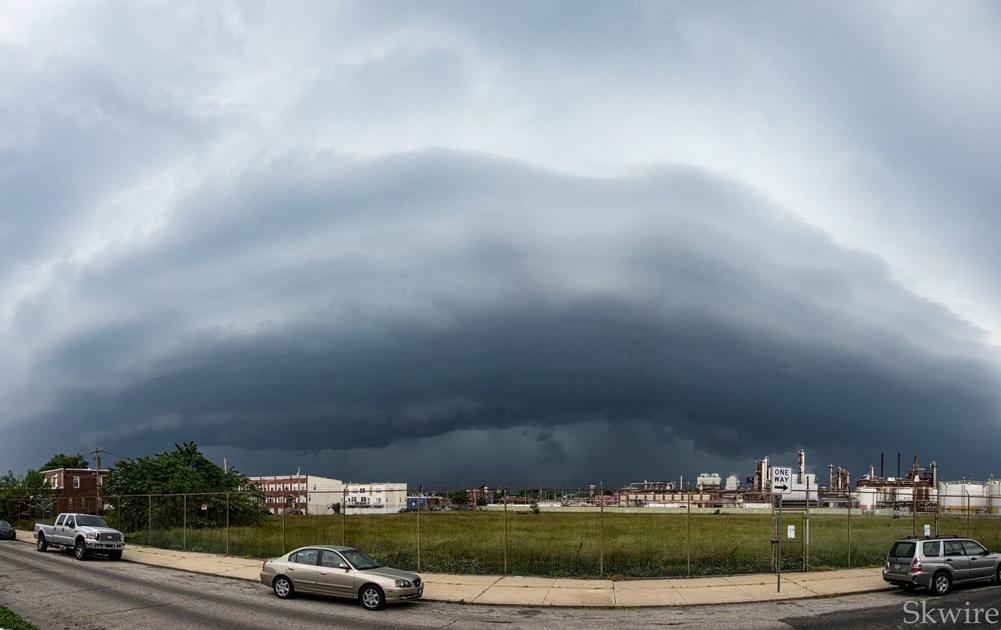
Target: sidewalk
[(534, 591)]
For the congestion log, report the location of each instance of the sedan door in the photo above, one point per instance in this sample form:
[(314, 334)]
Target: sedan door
[(336, 575), (981, 564), (955, 557), (303, 569)]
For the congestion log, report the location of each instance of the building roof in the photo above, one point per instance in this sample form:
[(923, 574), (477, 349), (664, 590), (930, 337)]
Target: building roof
[(87, 470)]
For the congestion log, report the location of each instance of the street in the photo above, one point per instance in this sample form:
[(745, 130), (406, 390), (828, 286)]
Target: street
[(53, 590)]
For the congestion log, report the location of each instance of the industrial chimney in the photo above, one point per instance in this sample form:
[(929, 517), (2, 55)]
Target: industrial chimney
[(802, 465)]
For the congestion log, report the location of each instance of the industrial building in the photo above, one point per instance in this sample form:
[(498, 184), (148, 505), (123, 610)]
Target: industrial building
[(917, 489)]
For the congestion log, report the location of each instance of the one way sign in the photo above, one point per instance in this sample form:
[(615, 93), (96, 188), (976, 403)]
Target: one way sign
[(781, 480)]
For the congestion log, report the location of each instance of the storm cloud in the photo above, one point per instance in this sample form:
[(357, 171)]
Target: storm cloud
[(642, 242)]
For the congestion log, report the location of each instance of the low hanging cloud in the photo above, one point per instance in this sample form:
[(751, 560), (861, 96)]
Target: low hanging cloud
[(320, 304)]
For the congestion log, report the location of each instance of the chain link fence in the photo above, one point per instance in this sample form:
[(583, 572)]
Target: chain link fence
[(538, 529)]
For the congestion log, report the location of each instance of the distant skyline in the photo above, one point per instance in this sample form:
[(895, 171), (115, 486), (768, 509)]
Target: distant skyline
[(523, 241)]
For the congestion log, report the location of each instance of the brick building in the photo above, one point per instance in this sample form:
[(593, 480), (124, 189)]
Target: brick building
[(76, 489)]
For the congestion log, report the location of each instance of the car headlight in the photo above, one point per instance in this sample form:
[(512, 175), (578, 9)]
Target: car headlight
[(404, 584), (90, 535)]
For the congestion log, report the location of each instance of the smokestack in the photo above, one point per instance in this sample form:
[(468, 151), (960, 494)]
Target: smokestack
[(934, 475), (802, 464), (882, 472), (898, 464)]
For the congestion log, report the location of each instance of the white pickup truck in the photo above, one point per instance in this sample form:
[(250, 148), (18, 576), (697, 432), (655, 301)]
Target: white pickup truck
[(83, 533)]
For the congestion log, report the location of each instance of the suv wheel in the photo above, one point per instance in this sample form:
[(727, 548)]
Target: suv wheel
[(941, 583)]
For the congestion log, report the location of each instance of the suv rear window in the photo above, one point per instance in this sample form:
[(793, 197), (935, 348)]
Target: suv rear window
[(903, 549)]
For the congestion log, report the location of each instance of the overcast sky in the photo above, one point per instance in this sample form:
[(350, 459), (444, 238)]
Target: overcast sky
[(488, 241)]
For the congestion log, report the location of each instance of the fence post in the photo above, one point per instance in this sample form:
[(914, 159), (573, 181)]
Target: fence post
[(505, 529), (344, 516), (419, 490), (806, 528), (772, 523), (184, 522), (688, 544), (601, 529), (849, 494), (914, 511), (967, 490), (938, 502), (149, 519), (284, 514), (227, 523)]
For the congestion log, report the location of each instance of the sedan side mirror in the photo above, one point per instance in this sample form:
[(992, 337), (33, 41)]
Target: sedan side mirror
[(344, 566)]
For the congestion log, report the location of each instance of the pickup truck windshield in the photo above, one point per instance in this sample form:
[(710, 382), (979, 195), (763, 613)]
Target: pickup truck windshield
[(83, 520)]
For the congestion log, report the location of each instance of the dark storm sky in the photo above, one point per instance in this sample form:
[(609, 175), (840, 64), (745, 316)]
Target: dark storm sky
[(525, 241)]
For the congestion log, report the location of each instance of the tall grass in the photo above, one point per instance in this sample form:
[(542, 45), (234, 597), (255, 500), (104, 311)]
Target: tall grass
[(567, 544)]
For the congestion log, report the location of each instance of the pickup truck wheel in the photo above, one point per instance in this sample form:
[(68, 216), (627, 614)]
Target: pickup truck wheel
[(80, 549), (42, 544)]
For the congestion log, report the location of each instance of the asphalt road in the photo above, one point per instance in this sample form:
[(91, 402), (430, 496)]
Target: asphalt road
[(54, 590)]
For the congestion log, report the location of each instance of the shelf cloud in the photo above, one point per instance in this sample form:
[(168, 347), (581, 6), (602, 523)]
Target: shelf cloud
[(518, 243)]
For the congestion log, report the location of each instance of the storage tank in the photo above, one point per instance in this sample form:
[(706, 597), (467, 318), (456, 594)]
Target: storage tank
[(867, 500), (960, 496), (732, 483), (994, 497)]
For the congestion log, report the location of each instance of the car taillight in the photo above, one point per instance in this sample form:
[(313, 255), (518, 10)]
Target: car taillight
[(916, 566)]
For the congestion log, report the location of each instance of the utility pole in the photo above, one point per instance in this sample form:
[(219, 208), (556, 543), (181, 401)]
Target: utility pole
[(97, 477)]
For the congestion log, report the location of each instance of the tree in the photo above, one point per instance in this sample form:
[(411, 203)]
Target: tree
[(61, 460), (185, 470), (22, 497)]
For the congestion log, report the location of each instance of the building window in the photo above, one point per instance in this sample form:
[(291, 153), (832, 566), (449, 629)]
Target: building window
[(76, 482)]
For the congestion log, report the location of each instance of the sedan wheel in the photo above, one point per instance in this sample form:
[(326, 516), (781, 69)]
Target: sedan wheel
[(283, 587), (941, 584), (372, 598)]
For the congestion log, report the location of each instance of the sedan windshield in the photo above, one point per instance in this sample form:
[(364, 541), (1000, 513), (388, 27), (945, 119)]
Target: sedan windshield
[(83, 520), (4, 525), (360, 560)]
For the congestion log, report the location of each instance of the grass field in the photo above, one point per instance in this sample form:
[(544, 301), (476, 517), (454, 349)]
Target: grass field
[(569, 544), (10, 620)]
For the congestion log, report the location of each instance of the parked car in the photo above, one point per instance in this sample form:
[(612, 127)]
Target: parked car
[(7, 531), (83, 533), (940, 562), (340, 572)]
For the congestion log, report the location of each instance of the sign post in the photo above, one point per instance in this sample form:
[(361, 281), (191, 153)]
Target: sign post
[(781, 485)]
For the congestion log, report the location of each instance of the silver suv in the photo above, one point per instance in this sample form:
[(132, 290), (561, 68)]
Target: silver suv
[(938, 563)]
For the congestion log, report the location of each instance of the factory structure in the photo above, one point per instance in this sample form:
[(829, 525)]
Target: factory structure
[(918, 488)]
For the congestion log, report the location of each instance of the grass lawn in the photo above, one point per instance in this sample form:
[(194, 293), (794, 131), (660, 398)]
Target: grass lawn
[(11, 621), (575, 544)]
